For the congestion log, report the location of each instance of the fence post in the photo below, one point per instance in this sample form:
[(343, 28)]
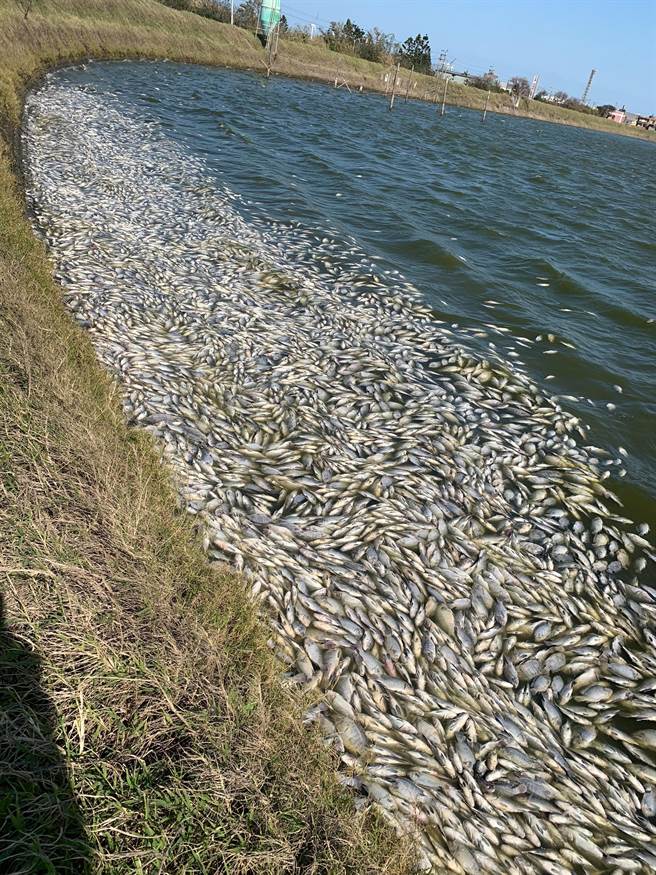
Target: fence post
[(407, 90), (396, 73), (446, 83), (487, 100)]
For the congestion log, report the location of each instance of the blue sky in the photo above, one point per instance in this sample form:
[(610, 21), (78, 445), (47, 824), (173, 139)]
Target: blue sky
[(562, 40)]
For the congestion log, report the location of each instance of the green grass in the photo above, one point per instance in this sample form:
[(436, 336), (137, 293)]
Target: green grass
[(143, 724)]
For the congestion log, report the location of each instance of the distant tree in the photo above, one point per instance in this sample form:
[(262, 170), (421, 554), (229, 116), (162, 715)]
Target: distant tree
[(541, 95), (298, 33), (349, 38), (219, 10), (345, 36), (334, 36), (248, 14), (578, 106), (378, 46), (519, 86), (488, 82), (416, 52), (605, 109), (561, 96), (353, 33)]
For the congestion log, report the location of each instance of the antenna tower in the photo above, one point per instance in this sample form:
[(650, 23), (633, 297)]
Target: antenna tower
[(584, 99), (534, 85)]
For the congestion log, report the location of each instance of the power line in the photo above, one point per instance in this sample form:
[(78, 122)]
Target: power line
[(293, 18), (303, 16)]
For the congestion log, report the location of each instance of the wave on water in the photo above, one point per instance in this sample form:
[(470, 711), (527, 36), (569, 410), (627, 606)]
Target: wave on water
[(425, 249), (424, 529)]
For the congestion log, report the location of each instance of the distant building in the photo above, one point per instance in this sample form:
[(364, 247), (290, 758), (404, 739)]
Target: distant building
[(648, 122), (618, 116)]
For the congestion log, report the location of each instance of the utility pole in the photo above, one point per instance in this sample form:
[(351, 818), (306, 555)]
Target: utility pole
[(442, 61), (584, 99), (232, 11), (312, 26)]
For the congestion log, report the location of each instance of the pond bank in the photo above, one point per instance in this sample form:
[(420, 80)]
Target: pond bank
[(154, 727)]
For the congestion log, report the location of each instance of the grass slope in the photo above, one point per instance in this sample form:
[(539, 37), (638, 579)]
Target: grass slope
[(143, 726)]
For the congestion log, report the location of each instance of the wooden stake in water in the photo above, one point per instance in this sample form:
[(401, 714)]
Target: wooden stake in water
[(396, 73), (487, 100), (446, 84), (407, 90)]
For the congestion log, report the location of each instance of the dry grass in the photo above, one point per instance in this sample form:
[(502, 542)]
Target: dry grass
[(143, 726), (130, 668)]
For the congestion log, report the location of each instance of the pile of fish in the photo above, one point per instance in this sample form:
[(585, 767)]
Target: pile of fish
[(425, 529)]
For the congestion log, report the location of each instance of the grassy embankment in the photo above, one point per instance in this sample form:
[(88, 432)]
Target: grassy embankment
[(143, 726)]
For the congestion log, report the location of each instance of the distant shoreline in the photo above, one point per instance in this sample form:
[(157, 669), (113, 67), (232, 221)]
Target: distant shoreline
[(325, 65)]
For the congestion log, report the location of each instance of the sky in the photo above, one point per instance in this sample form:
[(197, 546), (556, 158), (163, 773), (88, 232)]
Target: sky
[(561, 40)]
